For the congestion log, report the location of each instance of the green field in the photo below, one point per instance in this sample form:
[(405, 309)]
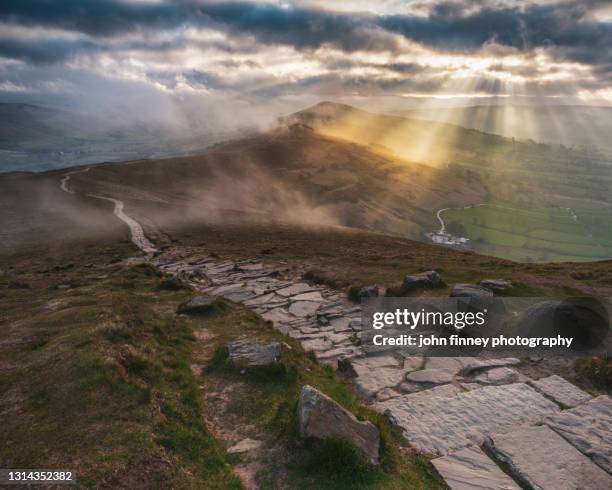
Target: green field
[(532, 233)]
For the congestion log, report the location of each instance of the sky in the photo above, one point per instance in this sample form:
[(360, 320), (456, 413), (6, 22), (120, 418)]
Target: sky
[(234, 56)]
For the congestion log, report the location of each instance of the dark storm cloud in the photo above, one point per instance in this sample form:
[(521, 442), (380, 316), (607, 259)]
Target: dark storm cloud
[(51, 51), (448, 25)]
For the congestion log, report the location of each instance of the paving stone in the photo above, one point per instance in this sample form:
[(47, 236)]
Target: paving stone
[(454, 364), (472, 469), (477, 364), (295, 289), (369, 381), (311, 296), (589, 428), (304, 308), (386, 394), (542, 459), (497, 376), (443, 425), (561, 391), (277, 315), (345, 352), (317, 345), (432, 376), (260, 300)]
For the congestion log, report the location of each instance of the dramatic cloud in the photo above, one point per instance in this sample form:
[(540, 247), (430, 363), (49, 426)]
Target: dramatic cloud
[(251, 50)]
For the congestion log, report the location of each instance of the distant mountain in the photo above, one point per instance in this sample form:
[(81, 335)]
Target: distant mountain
[(35, 138), (582, 126)]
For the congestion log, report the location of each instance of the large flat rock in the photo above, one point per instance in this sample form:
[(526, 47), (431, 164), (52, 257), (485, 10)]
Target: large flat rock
[(441, 425), (589, 428), (563, 392), (542, 459), (294, 289), (304, 308), (471, 469)]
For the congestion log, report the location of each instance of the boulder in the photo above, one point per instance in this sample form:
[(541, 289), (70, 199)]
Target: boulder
[(368, 292), (495, 284), (470, 291), (246, 353), (321, 417), (197, 305), (584, 319), (429, 279)]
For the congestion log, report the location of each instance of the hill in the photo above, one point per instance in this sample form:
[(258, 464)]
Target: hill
[(574, 126)]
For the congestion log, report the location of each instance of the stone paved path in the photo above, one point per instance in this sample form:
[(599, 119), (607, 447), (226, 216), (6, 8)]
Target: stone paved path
[(450, 407)]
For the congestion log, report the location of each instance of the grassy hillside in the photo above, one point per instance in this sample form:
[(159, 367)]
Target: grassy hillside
[(100, 375), (512, 170), (531, 233)]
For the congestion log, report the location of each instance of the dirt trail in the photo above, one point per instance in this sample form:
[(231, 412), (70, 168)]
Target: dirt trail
[(137, 233)]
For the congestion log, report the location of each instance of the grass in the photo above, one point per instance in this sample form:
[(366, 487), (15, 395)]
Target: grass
[(97, 379), (345, 259), (100, 378), (527, 232), (263, 403)]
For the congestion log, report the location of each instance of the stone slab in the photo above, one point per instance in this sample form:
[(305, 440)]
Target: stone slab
[(542, 459), (561, 391), (304, 308), (497, 376), (441, 425), (294, 289), (472, 469), (433, 376), (589, 428), (311, 296)]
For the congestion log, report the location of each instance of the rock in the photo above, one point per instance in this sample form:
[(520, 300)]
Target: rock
[(311, 296), (589, 428), (480, 364), (368, 292), (432, 376), (304, 308), (442, 425), (495, 284), (295, 289), (497, 376), (454, 364), (250, 353), (563, 392), (386, 394), (470, 468), (321, 417), (197, 305), (541, 459), (244, 446), (584, 319), (369, 382), (429, 279), (172, 283), (469, 291), (317, 345)]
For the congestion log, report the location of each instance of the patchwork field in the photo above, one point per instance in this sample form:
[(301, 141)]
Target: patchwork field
[(532, 233)]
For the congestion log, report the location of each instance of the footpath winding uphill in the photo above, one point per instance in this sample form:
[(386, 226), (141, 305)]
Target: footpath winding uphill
[(473, 416)]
